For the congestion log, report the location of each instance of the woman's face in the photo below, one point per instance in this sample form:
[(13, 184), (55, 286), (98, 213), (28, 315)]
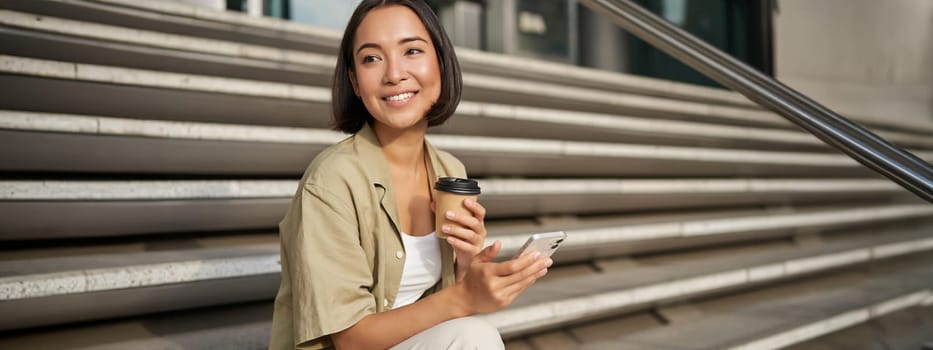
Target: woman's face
[(396, 73)]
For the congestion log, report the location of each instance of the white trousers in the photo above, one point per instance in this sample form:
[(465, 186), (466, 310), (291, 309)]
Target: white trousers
[(465, 333)]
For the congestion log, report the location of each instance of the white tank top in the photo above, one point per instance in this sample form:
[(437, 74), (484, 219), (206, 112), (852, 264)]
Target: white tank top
[(422, 268)]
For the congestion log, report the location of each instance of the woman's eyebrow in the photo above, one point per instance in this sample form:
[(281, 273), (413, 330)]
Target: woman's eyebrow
[(412, 38), (402, 41), (368, 45)]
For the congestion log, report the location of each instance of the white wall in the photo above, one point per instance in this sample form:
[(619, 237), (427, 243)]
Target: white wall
[(867, 58), (215, 4), (327, 13)]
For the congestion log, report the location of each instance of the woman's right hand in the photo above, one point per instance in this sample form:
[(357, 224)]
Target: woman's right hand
[(491, 286)]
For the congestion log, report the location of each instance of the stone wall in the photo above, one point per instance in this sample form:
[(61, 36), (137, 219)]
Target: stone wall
[(865, 58)]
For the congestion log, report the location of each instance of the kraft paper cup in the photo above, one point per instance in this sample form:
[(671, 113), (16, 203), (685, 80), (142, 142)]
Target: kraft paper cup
[(450, 194)]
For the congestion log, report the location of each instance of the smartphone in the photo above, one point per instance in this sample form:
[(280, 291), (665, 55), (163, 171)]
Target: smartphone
[(545, 243)]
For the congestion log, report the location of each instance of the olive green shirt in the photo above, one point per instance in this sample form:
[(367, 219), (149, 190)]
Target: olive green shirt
[(342, 255)]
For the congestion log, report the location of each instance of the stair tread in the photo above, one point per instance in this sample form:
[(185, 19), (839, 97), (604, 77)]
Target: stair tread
[(549, 303), (212, 326), (320, 63), (510, 155), (733, 322), (590, 237)]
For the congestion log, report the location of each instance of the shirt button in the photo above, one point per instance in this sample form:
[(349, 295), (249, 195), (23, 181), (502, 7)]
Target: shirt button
[(399, 254)]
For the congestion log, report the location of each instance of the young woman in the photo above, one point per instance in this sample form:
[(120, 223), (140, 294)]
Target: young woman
[(361, 266)]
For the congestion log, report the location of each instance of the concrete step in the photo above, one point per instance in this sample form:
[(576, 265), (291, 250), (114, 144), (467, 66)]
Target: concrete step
[(39, 292), (488, 119), (907, 328), (114, 208), (126, 245), (187, 20), (795, 312), (176, 18), (233, 327), (30, 74), (55, 38), (477, 118), (83, 42), (184, 20), (620, 285), (100, 144), (112, 91), (775, 317), (499, 120), (594, 237), (629, 284), (471, 60)]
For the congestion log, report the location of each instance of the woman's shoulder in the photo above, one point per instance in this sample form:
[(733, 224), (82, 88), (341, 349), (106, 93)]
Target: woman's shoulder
[(337, 163), (450, 163), (447, 157)]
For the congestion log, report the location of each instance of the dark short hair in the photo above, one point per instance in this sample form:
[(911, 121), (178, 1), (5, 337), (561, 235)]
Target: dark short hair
[(349, 112)]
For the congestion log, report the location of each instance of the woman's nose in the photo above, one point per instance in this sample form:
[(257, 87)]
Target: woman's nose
[(395, 72)]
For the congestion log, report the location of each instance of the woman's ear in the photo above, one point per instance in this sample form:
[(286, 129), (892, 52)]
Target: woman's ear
[(356, 87)]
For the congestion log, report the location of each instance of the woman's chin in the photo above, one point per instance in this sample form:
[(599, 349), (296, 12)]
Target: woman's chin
[(404, 123)]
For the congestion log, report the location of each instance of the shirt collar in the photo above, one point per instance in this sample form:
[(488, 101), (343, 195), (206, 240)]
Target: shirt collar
[(368, 148), (370, 151)]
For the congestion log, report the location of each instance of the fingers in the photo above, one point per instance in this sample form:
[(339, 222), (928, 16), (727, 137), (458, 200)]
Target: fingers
[(489, 253), (479, 212), (496, 285), (469, 230), (514, 289), (465, 221), (459, 244), (522, 266), (463, 246), (463, 234), (475, 221), (512, 285), (525, 277), (510, 267)]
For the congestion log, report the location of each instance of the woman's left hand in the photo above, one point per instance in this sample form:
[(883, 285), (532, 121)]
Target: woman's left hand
[(468, 237)]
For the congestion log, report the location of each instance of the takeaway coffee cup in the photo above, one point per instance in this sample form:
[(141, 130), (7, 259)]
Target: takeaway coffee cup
[(451, 191)]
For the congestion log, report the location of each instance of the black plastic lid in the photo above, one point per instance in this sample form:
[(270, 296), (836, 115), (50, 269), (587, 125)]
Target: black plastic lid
[(457, 185)]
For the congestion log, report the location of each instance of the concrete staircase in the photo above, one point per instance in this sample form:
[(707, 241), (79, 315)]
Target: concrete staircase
[(148, 150)]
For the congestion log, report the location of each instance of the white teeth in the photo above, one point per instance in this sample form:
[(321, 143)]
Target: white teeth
[(400, 97)]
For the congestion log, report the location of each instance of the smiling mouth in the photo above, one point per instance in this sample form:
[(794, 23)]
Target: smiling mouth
[(400, 97)]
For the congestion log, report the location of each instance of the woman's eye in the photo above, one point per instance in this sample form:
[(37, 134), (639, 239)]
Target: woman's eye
[(368, 59), (413, 51)]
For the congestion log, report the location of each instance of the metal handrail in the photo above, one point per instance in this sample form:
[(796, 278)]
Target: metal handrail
[(869, 149), (773, 85)]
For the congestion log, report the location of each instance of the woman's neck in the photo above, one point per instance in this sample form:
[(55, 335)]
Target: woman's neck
[(403, 149)]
